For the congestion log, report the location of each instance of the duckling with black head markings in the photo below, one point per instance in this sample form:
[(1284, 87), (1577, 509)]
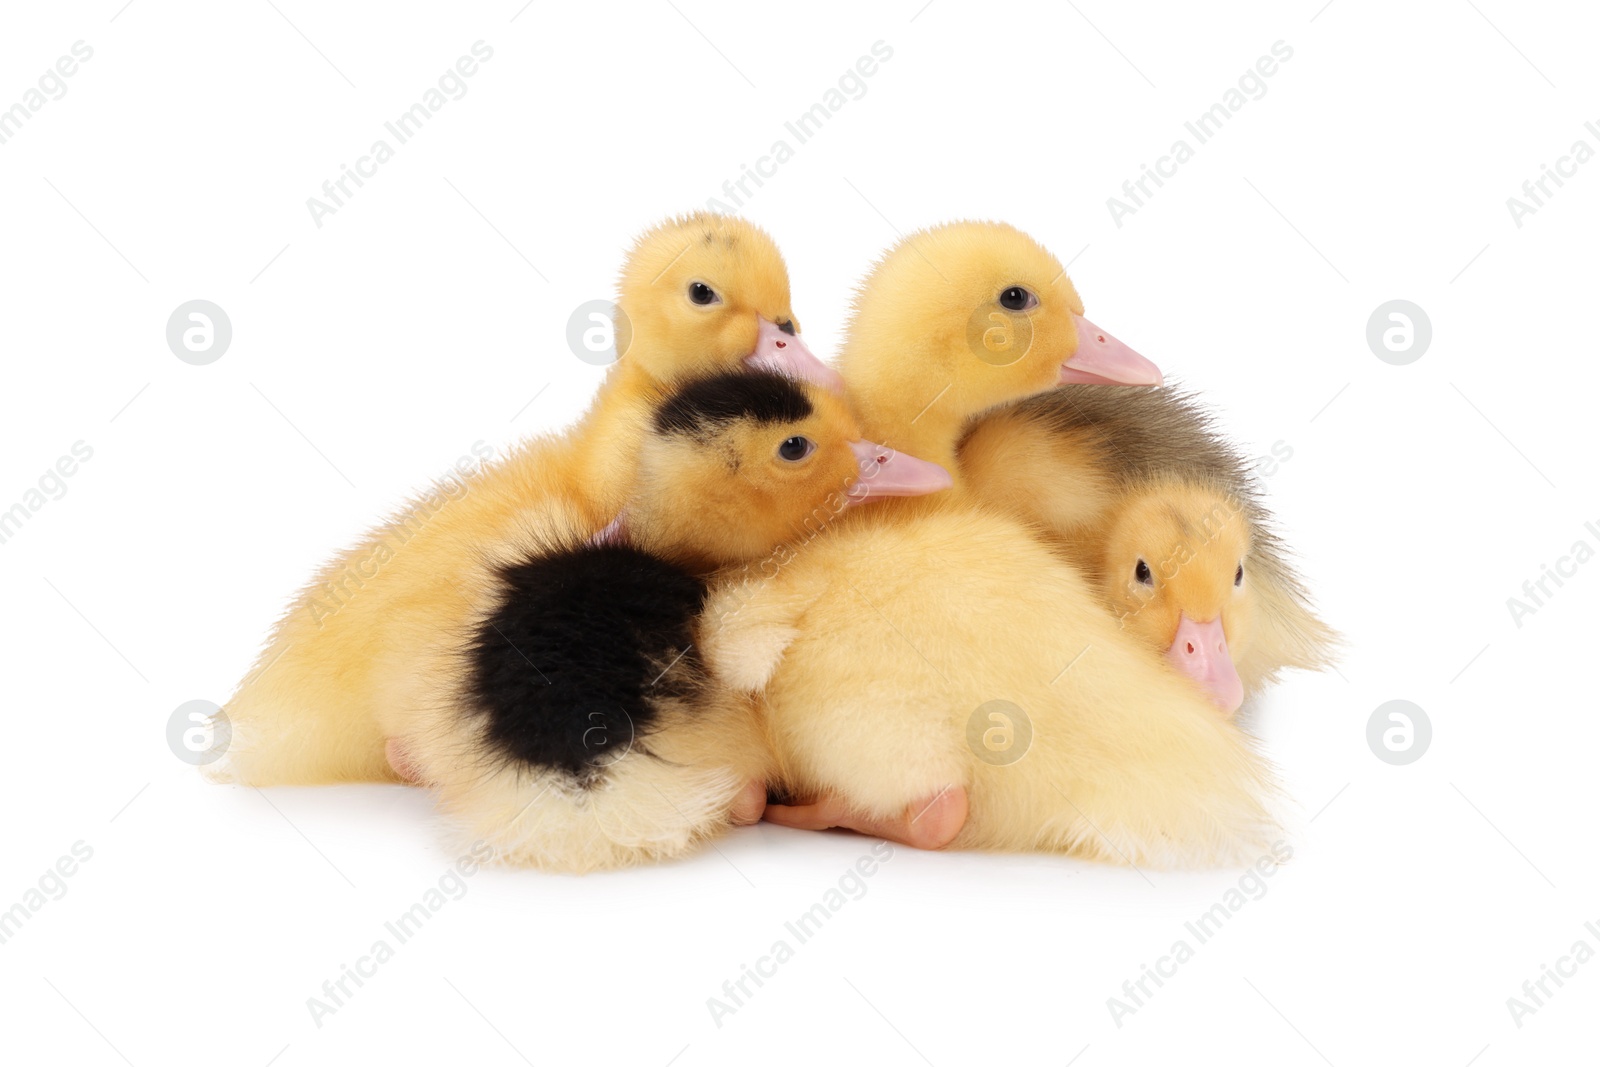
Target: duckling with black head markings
[(697, 294), (585, 729), (1089, 464)]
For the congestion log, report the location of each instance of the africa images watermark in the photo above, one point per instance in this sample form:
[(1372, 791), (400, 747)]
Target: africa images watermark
[(52, 485), (51, 885), (1536, 991), (1566, 567), (851, 885), (1252, 885), (1252, 85), (1268, 464), (362, 566), (405, 126), (1538, 190), (52, 85), (802, 128), (452, 885)]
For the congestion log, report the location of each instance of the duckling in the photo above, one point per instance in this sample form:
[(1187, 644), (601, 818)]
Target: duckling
[(702, 293), (1072, 460), (1171, 562), (937, 654), (699, 293), (574, 725)]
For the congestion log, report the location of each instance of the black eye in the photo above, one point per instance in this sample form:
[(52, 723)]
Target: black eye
[(702, 294), (1141, 573), (1238, 575), (1017, 298), (796, 448)]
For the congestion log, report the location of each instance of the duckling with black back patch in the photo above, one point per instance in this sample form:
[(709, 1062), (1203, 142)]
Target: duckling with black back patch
[(698, 294), (587, 646), (586, 730)]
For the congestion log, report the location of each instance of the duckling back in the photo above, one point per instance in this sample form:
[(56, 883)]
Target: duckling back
[(581, 729), (587, 650), (338, 676), (1067, 460), (900, 635)]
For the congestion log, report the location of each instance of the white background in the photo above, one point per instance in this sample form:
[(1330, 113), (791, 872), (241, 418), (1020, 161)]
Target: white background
[(426, 314)]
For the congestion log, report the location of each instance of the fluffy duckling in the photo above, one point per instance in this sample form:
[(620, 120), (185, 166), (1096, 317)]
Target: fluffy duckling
[(1173, 562), (697, 294), (938, 657), (1088, 464), (582, 728), (964, 346)]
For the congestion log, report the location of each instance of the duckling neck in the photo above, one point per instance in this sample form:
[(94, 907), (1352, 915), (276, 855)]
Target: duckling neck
[(655, 522), (605, 444)]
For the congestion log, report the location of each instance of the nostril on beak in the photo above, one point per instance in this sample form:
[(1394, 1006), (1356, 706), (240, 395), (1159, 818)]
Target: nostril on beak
[(787, 326), (1188, 646), (782, 344)]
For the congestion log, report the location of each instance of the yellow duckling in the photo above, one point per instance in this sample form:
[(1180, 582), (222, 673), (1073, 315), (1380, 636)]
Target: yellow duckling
[(1113, 475), (697, 294), (574, 724), (935, 660), (1171, 560)]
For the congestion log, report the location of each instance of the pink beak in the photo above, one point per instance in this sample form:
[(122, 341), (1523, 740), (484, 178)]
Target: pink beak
[(1103, 360), (787, 354), (885, 472), (1200, 651)]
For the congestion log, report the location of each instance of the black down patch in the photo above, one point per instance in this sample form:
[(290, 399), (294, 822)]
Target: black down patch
[(569, 669), (709, 405)]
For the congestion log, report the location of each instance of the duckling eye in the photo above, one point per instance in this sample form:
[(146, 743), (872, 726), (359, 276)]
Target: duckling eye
[(1017, 298), (1238, 575), (702, 294), (795, 449), (1141, 573)]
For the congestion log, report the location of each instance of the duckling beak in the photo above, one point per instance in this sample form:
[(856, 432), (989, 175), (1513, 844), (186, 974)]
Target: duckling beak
[(1200, 651), (1103, 360), (779, 348), (885, 472)]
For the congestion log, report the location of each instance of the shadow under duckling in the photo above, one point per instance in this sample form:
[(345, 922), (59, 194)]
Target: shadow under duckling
[(583, 727), (1087, 464), (697, 294)]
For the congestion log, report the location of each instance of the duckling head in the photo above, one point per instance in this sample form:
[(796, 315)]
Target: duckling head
[(1175, 566), (707, 293), (969, 315), (742, 463)]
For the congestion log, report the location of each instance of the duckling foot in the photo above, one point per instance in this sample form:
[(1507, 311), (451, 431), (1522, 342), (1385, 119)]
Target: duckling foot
[(931, 823), (749, 804), (400, 763)]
